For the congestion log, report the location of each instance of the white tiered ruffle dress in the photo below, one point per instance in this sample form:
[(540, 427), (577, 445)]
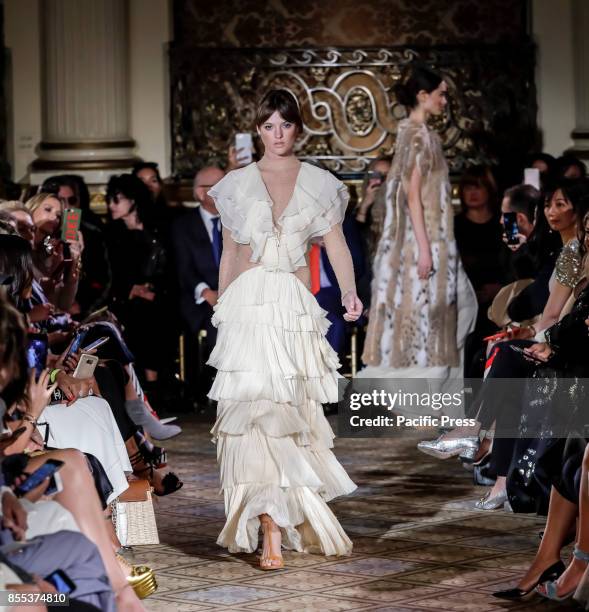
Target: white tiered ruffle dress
[(274, 370)]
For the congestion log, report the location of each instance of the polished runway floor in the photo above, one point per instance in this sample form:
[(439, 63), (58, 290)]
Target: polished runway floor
[(418, 542)]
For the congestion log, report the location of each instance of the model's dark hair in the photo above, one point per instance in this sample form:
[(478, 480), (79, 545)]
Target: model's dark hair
[(525, 199), (132, 188), (16, 262), (283, 102), (417, 78)]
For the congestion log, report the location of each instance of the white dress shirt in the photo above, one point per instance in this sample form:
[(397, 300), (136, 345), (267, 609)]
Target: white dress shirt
[(207, 219)]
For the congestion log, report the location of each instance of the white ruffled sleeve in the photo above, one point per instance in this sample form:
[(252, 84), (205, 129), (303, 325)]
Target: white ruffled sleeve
[(333, 200), (228, 202)]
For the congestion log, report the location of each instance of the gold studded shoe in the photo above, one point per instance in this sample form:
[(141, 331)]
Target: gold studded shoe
[(142, 580)]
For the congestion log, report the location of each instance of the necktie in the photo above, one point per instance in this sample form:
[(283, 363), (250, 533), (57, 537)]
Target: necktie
[(217, 243), (314, 266)]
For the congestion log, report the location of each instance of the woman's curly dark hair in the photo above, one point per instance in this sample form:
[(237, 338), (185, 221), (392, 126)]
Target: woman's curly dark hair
[(133, 189)]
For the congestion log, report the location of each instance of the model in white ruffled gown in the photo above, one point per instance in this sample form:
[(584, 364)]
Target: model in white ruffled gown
[(274, 365)]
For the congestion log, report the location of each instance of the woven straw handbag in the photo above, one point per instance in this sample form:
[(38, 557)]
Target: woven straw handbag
[(133, 515)]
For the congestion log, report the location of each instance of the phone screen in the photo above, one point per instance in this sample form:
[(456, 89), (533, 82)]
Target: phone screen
[(61, 581), (511, 228), (244, 148), (37, 350), (70, 224), (38, 476), (77, 343)]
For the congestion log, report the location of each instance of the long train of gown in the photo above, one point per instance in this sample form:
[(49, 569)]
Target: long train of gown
[(275, 369)]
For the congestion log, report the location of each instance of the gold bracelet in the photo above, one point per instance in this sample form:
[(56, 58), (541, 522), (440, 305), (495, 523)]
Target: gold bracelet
[(29, 418)]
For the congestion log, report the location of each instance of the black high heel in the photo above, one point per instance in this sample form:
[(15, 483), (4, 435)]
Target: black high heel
[(552, 573), (171, 483), (151, 454)]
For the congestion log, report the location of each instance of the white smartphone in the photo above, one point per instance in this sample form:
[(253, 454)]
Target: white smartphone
[(86, 366), (244, 148), (532, 177)]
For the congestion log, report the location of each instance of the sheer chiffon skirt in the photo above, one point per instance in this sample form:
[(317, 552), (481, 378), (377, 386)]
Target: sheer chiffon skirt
[(274, 370)]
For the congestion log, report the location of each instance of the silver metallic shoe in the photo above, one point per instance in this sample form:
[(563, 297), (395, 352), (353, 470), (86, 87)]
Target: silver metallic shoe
[(491, 503), (468, 454), (444, 448)]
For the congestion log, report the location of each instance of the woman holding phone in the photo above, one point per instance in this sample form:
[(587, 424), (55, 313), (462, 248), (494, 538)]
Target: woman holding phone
[(274, 365), (414, 307), (57, 263)]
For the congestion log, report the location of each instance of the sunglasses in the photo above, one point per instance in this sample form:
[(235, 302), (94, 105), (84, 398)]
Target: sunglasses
[(69, 201)]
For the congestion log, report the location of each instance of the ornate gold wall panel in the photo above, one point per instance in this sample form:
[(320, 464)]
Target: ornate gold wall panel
[(349, 110), (346, 23)]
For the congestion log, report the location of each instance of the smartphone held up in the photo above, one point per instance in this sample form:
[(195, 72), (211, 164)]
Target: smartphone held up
[(511, 228), (244, 148)]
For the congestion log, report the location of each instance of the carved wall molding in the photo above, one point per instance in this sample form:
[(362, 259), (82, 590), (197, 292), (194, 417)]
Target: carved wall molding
[(346, 97)]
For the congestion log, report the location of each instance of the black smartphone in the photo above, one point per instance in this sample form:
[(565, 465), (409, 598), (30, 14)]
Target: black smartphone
[(521, 351), (61, 581), (38, 476), (511, 228), (37, 350)]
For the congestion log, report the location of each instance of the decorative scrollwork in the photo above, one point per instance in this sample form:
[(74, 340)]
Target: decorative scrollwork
[(347, 100)]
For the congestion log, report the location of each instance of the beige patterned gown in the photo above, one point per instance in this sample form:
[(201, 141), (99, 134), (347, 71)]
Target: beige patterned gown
[(417, 327)]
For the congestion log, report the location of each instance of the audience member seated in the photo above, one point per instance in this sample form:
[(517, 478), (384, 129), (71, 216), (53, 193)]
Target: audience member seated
[(159, 216), (78, 495), (57, 263), (197, 240), (546, 164), (565, 211), (95, 274), (569, 167), (565, 461), (478, 233), (138, 263), (371, 210), (535, 254)]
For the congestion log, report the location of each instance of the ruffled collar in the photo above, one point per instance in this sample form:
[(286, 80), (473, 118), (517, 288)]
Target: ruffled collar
[(255, 189)]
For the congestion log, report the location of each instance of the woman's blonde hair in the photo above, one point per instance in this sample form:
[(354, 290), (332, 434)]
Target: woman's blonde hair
[(37, 200)]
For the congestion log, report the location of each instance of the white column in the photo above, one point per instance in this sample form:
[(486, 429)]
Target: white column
[(150, 34), (85, 84), (23, 84), (581, 62), (552, 28)]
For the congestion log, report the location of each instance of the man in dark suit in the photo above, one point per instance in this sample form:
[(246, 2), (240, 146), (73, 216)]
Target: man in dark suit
[(329, 296), (197, 243)]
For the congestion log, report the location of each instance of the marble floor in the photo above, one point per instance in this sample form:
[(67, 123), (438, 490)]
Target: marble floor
[(418, 543)]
